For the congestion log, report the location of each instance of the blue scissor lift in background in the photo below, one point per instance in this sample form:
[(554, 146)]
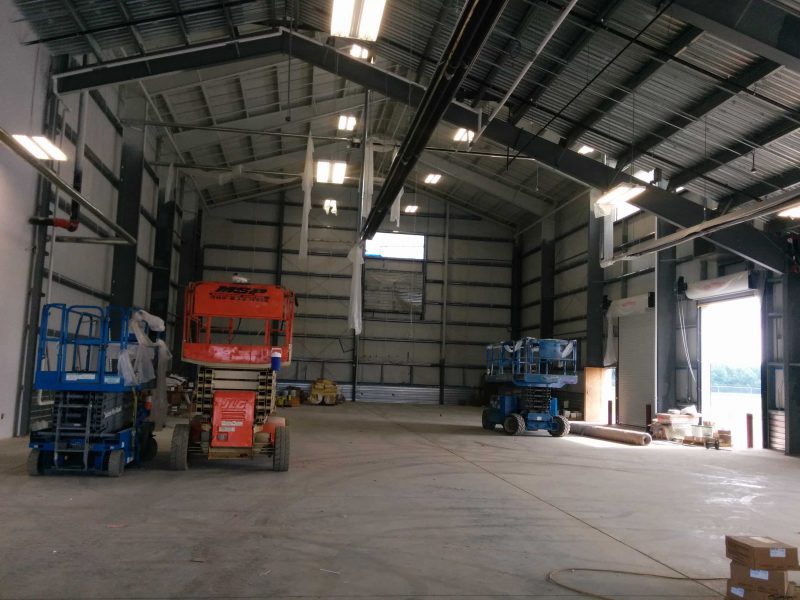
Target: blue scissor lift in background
[(527, 371), (98, 422)]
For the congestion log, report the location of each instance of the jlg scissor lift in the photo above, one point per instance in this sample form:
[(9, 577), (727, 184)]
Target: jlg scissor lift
[(238, 334)]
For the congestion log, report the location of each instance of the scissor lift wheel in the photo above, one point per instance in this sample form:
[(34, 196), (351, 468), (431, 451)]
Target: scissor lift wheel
[(562, 426), (280, 456), (116, 463), (514, 424), (179, 449)]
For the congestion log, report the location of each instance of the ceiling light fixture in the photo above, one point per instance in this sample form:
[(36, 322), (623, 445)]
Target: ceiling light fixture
[(620, 194), (40, 147), (329, 206), (792, 212), (433, 178), (646, 176), (358, 51), (347, 123), (585, 150), (411, 209), (323, 171), (359, 19), (339, 171), (464, 135), (331, 172), (680, 189)]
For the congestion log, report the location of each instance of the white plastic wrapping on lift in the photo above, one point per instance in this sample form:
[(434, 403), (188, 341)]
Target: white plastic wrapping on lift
[(634, 305), (308, 183), (721, 286), (355, 256), (136, 366)]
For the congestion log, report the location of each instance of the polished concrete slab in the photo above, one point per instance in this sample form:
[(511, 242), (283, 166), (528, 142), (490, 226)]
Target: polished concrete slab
[(394, 501)]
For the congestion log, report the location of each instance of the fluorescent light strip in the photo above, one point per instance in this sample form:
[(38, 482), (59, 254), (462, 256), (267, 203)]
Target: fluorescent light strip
[(358, 51), (342, 17), (464, 135), (791, 213), (50, 148), (620, 194), (31, 147), (347, 123), (339, 171), (323, 171), (585, 150), (433, 178), (411, 209), (369, 23)]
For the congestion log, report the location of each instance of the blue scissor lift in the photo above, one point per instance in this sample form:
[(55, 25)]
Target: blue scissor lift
[(97, 423), (527, 371)]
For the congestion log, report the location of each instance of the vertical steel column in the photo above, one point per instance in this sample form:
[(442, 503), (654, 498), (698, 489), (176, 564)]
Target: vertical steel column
[(767, 339), (162, 253), (279, 240), (666, 321), (443, 343), (547, 285), (594, 289), (129, 201), (791, 359), (190, 268), (516, 289), (45, 197)]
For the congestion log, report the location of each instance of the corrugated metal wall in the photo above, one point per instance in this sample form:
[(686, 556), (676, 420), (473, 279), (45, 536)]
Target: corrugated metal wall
[(399, 349)]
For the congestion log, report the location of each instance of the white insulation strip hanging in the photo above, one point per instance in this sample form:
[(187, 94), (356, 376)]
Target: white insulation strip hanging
[(308, 183), (394, 215), (369, 180), (624, 307), (721, 286), (355, 256)]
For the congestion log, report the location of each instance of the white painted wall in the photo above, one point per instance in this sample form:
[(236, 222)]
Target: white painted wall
[(24, 71)]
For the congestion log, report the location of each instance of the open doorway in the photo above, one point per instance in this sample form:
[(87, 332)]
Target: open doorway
[(730, 353)]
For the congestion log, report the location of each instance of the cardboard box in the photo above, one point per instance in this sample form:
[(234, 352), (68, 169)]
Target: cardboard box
[(294, 401), (757, 552), (737, 592), (762, 580)]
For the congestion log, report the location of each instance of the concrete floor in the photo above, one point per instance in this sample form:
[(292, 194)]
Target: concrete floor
[(393, 501)]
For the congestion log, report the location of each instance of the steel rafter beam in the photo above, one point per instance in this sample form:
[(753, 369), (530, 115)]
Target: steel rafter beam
[(467, 174), (769, 134), (555, 69), (763, 28), (750, 75), (742, 240), (618, 95), (788, 178), (475, 24)]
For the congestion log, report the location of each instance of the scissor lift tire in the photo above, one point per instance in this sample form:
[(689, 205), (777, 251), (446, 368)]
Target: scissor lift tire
[(563, 427), (116, 463), (514, 424), (485, 422), (179, 448), (280, 456), (34, 463)]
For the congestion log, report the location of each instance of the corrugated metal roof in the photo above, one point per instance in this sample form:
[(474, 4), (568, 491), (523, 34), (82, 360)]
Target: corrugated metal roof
[(413, 35)]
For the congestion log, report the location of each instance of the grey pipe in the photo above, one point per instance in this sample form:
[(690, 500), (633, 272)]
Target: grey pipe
[(62, 185), (612, 434)]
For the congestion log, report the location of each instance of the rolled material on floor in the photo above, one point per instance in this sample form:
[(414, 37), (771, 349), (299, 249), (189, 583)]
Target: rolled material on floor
[(624, 436)]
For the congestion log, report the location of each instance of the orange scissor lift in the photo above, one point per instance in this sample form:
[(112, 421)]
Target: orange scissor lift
[(234, 401)]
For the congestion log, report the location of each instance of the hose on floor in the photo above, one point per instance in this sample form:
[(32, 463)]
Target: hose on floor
[(551, 577)]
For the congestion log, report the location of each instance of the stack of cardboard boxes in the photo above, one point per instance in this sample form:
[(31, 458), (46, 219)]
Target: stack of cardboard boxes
[(759, 568)]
